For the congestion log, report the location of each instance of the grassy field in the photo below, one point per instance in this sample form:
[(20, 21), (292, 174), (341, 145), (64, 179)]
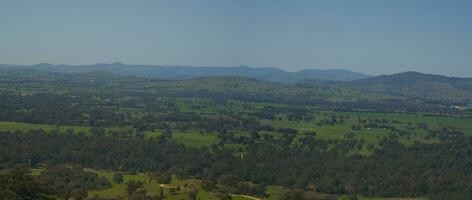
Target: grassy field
[(36, 171), (13, 126), (405, 121), (195, 138), (151, 186), (373, 135), (190, 138)]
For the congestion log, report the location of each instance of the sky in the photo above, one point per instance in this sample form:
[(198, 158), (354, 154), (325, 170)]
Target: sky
[(369, 36)]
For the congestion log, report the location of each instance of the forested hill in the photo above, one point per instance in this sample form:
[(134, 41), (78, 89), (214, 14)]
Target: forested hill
[(409, 90), (269, 74), (418, 85)]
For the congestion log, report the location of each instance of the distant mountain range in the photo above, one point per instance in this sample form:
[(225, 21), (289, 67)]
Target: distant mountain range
[(268, 74)]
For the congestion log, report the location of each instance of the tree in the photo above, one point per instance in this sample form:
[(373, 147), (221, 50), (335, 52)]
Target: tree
[(163, 178), (161, 192), (192, 194), (209, 183), (72, 182), (166, 134), (117, 177), (17, 183), (139, 195), (132, 186), (78, 194), (172, 191), (293, 194)]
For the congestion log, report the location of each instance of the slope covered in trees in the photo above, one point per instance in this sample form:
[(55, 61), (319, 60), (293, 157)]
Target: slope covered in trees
[(327, 167)]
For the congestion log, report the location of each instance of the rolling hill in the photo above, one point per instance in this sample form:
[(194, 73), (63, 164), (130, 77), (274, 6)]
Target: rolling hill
[(338, 85), (418, 85)]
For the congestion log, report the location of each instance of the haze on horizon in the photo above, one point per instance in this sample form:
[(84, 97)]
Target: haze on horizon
[(373, 37)]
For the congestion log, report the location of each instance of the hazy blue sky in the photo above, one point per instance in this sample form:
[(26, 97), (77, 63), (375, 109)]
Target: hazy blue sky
[(376, 36)]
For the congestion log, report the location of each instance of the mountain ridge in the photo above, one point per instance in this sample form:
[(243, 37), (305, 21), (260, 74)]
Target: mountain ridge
[(179, 72)]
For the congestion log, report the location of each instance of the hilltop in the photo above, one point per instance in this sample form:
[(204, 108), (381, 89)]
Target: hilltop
[(418, 85)]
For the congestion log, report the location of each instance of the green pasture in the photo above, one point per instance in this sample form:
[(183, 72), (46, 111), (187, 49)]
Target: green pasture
[(13, 126), (190, 138), (207, 108), (151, 186)]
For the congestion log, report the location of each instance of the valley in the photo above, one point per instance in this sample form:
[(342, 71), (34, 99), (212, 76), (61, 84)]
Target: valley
[(230, 137)]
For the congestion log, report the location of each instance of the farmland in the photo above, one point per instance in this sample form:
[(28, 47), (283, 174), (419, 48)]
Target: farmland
[(229, 137)]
